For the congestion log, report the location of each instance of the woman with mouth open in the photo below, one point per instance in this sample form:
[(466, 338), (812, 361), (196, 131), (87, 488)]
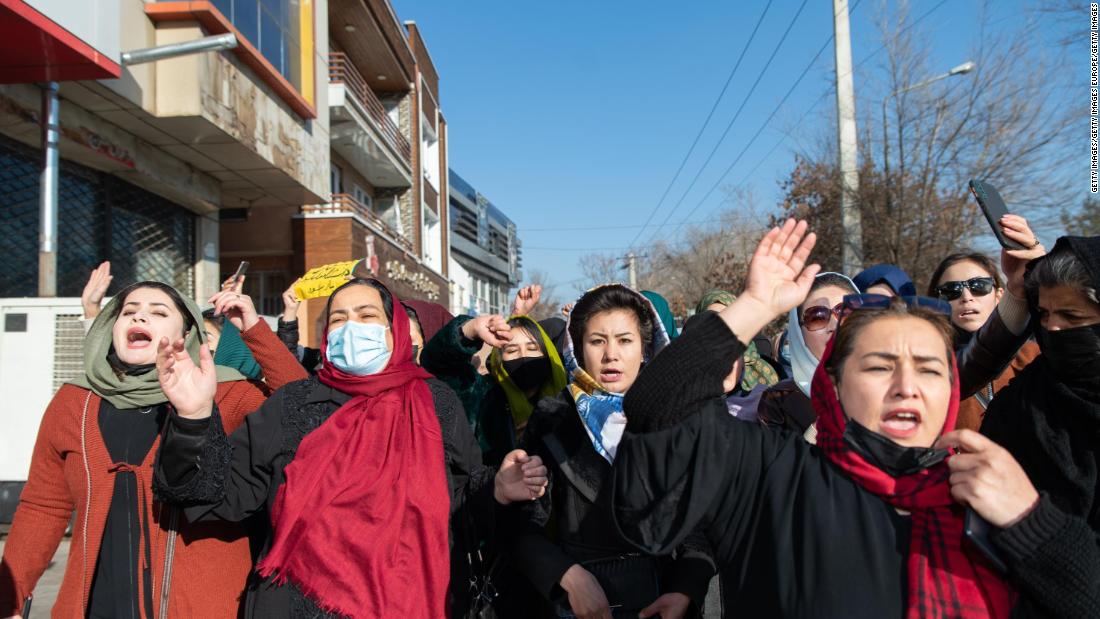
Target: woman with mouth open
[(869, 522), (584, 568), (971, 283), (132, 556)]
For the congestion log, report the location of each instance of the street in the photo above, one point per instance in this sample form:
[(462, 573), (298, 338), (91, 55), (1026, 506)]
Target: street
[(46, 591)]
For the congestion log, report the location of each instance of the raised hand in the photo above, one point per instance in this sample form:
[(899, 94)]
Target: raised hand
[(190, 388), (1014, 261), (526, 300), (491, 329), (778, 277), (521, 478), (985, 477), (96, 289), (237, 308), (778, 280), (290, 304)]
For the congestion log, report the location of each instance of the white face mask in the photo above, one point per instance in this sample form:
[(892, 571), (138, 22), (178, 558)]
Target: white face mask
[(358, 348)]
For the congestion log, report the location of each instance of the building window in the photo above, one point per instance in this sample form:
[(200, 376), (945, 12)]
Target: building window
[(273, 27), (389, 211), (433, 240), (361, 196), (266, 289), (430, 148), (336, 179), (100, 217)]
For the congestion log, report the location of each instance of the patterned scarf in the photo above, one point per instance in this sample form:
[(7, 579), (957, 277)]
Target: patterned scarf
[(945, 578), (600, 409)]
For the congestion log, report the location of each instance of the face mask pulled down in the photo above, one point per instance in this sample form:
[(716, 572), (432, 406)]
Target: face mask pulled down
[(358, 348)]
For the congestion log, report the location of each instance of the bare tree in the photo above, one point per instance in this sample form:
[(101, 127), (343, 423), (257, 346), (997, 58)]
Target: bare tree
[(1004, 123), (602, 269)]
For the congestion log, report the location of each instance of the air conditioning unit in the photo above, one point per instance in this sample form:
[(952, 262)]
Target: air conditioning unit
[(41, 347)]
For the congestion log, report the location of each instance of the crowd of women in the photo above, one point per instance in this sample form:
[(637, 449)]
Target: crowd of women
[(885, 454)]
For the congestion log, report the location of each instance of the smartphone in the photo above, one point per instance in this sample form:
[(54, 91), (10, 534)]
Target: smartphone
[(979, 532), (26, 614), (242, 268), (994, 209)]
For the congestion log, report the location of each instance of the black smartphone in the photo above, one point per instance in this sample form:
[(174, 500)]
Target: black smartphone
[(242, 268), (979, 532), (26, 613), (993, 206)]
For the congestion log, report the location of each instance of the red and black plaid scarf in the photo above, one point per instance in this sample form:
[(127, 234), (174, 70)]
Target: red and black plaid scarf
[(946, 578)]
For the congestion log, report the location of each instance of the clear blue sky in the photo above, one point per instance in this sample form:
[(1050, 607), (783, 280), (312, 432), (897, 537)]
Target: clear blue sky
[(577, 114)]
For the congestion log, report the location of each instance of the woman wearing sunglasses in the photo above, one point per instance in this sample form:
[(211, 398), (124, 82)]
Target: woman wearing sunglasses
[(810, 326), (971, 283), (870, 522)]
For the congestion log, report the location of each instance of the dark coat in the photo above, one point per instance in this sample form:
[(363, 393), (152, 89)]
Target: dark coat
[(793, 534), (576, 507), (249, 465)]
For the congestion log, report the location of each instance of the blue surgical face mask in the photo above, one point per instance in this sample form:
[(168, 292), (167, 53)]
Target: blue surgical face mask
[(358, 348)]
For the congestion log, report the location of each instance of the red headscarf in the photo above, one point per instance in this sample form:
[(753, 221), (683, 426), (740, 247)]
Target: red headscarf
[(946, 577), (361, 522), (433, 316)]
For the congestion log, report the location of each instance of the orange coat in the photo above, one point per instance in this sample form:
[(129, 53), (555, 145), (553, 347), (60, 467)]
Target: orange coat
[(971, 411), (207, 563)]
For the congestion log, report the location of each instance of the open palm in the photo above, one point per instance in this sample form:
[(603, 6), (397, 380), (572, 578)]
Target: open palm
[(778, 277), (190, 388)]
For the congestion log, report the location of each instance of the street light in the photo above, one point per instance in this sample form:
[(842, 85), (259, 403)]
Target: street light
[(961, 69)]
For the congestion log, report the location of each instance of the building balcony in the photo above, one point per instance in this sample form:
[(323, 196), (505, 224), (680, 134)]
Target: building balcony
[(361, 129), (344, 205)]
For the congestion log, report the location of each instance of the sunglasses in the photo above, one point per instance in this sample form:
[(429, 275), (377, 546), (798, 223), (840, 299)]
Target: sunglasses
[(818, 317), (855, 302), (979, 287)]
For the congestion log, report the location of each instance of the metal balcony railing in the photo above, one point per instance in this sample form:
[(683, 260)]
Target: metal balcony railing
[(342, 71), (344, 203)]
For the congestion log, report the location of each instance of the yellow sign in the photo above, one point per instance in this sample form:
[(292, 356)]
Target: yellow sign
[(323, 280)]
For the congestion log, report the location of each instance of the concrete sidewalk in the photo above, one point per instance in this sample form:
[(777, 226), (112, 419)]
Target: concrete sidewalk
[(46, 591)]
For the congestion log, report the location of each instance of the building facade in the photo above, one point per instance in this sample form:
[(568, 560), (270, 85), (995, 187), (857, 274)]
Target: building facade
[(485, 252), (319, 137)]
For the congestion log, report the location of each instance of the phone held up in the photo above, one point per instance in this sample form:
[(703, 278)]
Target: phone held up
[(993, 206)]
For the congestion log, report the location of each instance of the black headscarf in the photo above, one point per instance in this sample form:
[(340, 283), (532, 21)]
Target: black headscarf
[(1050, 425)]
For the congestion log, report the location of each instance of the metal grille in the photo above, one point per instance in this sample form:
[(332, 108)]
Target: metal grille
[(100, 218), (68, 349)]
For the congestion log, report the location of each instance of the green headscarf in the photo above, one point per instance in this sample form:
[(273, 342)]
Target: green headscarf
[(757, 371), (664, 312), (233, 352), (715, 295), (142, 390), (517, 399)]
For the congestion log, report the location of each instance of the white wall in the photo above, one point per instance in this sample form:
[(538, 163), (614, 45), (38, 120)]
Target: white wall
[(96, 22)]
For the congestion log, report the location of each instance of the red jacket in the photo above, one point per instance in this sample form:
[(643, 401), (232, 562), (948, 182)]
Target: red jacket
[(207, 563)]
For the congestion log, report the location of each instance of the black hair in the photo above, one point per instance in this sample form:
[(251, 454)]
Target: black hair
[(387, 298), (1061, 267), (414, 317), (532, 329), (173, 294), (607, 298), (217, 321), (828, 279), (985, 262)]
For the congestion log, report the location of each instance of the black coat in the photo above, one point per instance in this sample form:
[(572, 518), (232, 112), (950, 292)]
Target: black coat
[(797, 536), (576, 507), (250, 466)]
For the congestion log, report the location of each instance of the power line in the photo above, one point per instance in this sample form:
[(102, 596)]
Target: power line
[(591, 228), (736, 115), (698, 135)]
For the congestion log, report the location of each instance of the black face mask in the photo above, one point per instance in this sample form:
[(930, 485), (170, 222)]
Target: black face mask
[(128, 369), (894, 459), (1073, 354), (528, 372)]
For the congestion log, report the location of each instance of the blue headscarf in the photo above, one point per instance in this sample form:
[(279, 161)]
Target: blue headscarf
[(888, 274)]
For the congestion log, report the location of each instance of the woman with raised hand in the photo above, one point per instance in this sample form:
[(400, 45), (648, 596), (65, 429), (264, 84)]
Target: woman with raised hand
[(131, 555), (867, 523), (565, 543), (971, 283), (1048, 418), (360, 468)]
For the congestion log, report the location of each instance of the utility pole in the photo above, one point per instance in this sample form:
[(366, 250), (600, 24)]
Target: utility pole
[(851, 252), (632, 270)]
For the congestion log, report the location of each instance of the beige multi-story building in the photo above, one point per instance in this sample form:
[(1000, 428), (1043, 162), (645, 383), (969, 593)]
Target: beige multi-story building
[(317, 138)]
